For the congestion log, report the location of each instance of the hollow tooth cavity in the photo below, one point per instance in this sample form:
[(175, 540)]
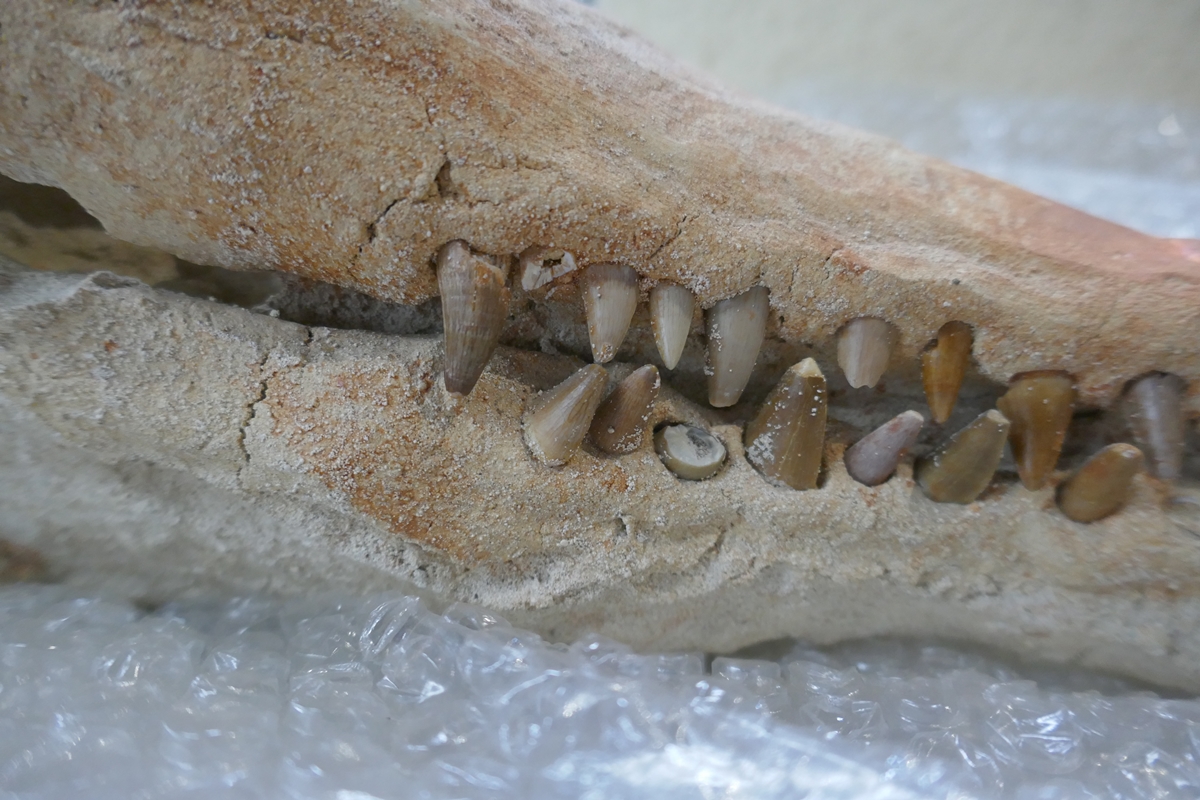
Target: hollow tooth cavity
[(864, 349), (610, 299), (785, 441), (873, 459), (1103, 485), (959, 470), (474, 308), (736, 328), (1039, 406), (555, 430), (943, 367), (671, 309), (1153, 406), (691, 453), (621, 419)]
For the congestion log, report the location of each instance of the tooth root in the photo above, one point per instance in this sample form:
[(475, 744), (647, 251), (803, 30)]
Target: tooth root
[(1154, 408), (474, 308), (671, 309), (610, 299), (1103, 485), (943, 367), (736, 328), (621, 419), (555, 430), (873, 459), (1039, 406), (864, 349), (691, 453), (962, 468), (785, 441)]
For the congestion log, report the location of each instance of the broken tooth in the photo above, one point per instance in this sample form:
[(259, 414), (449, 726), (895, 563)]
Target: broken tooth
[(1103, 485), (555, 430), (736, 328), (864, 349), (1154, 408), (621, 419), (959, 470), (691, 453), (785, 441), (611, 298), (474, 308), (943, 367), (1039, 406), (873, 459), (671, 309)]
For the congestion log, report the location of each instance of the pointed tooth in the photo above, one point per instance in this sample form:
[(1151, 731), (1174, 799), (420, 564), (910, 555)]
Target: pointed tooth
[(554, 431), (864, 349), (474, 308), (1039, 406), (873, 459), (691, 453), (959, 470), (671, 309), (736, 328), (943, 367), (610, 299), (785, 441), (1154, 409), (1103, 485), (621, 419)]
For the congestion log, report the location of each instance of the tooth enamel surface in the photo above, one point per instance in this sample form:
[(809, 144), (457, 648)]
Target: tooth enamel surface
[(873, 459), (1039, 406), (671, 309), (1154, 409), (474, 308), (1103, 485), (959, 470), (555, 430), (691, 453), (943, 367), (736, 328), (621, 419), (611, 298), (786, 440), (864, 349)]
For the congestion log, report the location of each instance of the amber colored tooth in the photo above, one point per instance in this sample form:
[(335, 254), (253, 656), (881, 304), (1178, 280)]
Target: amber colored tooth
[(864, 349), (555, 430), (610, 299), (736, 328), (873, 458), (784, 442), (1154, 408), (1102, 486), (943, 367), (474, 307), (691, 453), (621, 419), (671, 310), (959, 470), (1039, 406)]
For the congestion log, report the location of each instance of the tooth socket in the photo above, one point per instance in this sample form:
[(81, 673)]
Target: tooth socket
[(1103, 485), (785, 441), (474, 308), (1154, 409), (962, 468), (943, 367), (873, 459), (736, 328), (689, 452), (1039, 406), (620, 421), (864, 349), (671, 309), (610, 299), (556, 429)]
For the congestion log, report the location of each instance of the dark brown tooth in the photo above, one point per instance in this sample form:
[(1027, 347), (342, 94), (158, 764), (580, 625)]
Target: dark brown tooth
[(1154, 408), (736, 328), (1103, 485), (1039, 405), (691, 453), (610, 298), (621, 419), (474, 308), (554, 431), (962, 468), (864, 350), (873, 459), (943, 367), (785, 441)]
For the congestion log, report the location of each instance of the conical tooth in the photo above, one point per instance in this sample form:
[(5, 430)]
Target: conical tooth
[(1102, 486), (962, 468), (692, 453), (622, 418), (611, 299), (671, 310), (736, 328), (474, 307), (785, 441), (873, 459), (555, 430), (1154, 408), (864, 349), (1039, 405), (943, 367)]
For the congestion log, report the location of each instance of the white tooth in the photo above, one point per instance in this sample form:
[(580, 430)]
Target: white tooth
[(1154, 408), (555, 430), (671, 309), (692, 453), (474, 308), (736, 328), (873, 458), (611, 298), (864, 349)]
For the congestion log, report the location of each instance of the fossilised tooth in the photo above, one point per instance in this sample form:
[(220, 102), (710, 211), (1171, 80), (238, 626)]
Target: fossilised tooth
[(864, 349), (873, 459), (1102, 485), (1154, 407), (943, 367), (621, 419), (691, 453), (1039, 406), (736, 328), (474, 308), (671, 310), (611, 298), (785, 441), (959, 470), (554, 431)]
